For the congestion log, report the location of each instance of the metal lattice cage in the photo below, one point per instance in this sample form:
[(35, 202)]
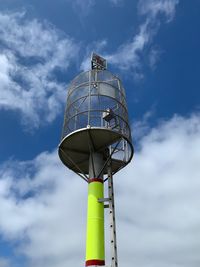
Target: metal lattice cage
[(96, 112)]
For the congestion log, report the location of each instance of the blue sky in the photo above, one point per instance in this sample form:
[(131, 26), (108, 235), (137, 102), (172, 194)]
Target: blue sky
[(153, 46)]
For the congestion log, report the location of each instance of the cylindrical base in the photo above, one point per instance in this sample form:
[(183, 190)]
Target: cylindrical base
[(95, 255)]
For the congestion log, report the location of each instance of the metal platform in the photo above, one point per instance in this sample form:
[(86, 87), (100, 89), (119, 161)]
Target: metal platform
[(76, 147)]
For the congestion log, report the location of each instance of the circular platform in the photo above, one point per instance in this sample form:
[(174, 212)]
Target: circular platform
[(75, 148)]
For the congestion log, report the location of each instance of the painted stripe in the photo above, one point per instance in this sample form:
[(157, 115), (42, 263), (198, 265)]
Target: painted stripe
[(95, 262), (95, 180)]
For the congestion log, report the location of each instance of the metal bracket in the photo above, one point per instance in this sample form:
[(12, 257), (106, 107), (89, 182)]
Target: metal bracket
[(108, 159), (102, 200), (83, 176)]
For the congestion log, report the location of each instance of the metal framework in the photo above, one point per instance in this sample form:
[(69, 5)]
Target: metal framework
[(96, 100), (96, 143)]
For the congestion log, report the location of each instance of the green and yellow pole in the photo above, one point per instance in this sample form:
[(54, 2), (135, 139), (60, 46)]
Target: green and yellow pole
[(95, 251)]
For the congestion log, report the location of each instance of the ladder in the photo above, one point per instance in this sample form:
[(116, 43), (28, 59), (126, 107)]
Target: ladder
[(111, 204), (112, 224)]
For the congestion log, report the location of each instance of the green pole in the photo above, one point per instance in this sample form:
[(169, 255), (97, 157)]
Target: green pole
[(95, 251)]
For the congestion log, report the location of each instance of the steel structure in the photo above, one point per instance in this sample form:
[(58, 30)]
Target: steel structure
[(96, 143)]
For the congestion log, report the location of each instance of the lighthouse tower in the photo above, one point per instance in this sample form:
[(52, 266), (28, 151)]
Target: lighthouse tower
[(96, 143)]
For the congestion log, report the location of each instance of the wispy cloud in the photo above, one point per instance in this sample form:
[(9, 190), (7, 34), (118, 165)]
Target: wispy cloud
[(30, 53), (43, 205), (86, 6), (153, 8), (4, 262), (154, 57), (129, 56), (142, 127)]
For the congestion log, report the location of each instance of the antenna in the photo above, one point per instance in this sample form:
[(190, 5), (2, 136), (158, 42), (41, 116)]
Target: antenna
[(96, 143)]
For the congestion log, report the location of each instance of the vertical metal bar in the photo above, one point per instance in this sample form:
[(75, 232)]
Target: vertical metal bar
[(89, 100), (76, 120), (91, 148), (113, 240)]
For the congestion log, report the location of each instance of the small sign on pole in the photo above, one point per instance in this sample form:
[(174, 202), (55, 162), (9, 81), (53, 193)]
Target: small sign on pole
[(98, 62)]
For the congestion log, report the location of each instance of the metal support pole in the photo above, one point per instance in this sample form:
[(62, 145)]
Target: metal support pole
[(113, 240), (95, 247)]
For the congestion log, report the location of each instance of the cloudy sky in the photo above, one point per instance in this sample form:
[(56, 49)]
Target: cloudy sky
[(153, 45)]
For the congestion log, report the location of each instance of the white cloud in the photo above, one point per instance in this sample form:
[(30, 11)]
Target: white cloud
[(4, 262), (31, 52), (153, 8), (154, 56), (162, 197), (142, 127), (43, 205), (129, 56)]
